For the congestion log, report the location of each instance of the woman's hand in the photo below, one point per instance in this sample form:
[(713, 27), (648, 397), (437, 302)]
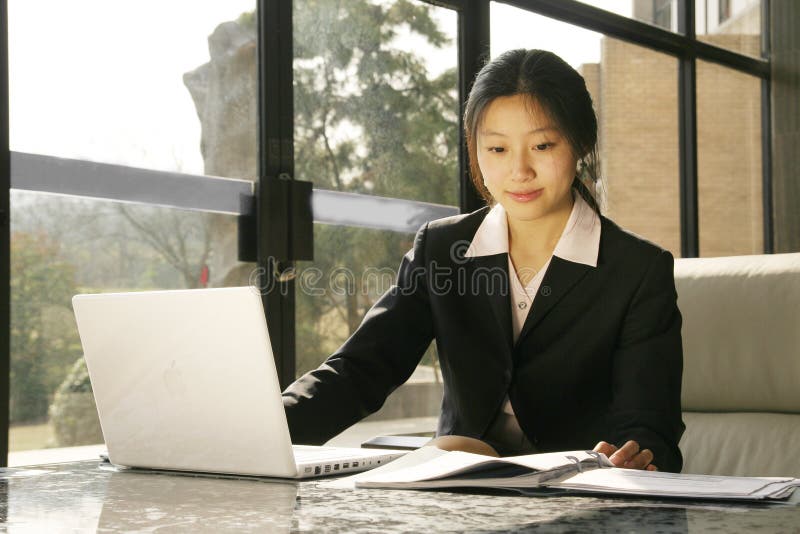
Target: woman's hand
[(628, 456)]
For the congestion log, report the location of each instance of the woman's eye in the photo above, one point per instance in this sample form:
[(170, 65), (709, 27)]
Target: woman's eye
[(496, 149), (542, 146)]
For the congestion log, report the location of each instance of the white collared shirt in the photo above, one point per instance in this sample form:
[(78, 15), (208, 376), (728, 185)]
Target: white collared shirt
[(579, 243)]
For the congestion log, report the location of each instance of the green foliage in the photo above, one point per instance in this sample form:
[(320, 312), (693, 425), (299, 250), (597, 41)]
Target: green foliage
[(248, 20), (44, 341), (368, 118), (77, 379), (73, 412)]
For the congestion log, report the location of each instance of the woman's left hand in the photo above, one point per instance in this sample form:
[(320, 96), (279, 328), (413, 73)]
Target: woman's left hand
[(628, 456)]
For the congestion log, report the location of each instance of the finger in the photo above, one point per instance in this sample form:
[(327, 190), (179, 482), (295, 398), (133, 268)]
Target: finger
[(625, 453), (606, 448), (651, 467), (641, 460)]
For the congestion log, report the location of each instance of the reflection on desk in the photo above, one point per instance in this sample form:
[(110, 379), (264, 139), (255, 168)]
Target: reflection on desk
[(136, 501), (84, 496)]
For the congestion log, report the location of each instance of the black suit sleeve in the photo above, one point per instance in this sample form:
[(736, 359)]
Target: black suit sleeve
[(379, 356), (647, 369)]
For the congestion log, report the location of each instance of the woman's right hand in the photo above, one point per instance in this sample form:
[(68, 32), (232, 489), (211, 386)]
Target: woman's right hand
[(628, 456)]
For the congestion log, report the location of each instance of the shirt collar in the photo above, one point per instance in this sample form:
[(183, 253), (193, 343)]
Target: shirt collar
[(579, 242)]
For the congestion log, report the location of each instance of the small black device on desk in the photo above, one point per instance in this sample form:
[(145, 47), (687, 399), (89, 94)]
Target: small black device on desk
[(399, 441)]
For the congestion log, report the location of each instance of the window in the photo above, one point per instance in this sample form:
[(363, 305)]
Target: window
[(729, 162), (98, 110), (661, 13), (376, 98), (376, 114), (732, 25), (724, 11)]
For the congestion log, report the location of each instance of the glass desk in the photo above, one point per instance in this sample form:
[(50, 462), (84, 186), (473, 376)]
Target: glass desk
[(90, 496)]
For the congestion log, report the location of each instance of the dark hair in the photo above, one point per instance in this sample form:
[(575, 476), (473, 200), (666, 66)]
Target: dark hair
[(561, 93)]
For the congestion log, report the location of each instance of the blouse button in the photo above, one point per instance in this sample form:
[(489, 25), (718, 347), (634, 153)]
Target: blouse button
[(522, 305)]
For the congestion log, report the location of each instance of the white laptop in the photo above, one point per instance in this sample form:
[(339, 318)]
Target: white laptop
[(186, 380)]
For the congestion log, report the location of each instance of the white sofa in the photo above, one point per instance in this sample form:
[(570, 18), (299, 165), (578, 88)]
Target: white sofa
[(741, 375)]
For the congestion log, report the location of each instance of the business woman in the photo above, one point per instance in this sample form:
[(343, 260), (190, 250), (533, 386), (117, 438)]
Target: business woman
[(555, 328)]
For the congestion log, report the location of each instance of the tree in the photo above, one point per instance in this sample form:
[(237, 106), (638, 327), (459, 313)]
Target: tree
[(180, 239), (44, 341), (368, 119)]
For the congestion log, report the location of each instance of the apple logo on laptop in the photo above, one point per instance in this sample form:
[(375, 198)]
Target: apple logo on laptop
[(173, 380)]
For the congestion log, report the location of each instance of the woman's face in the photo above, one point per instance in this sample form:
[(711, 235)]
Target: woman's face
[(527, 165)]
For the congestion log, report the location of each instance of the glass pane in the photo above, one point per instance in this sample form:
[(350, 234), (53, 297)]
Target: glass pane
[(160, 85), (61, 246), (731, 24), (729, 162), (376, 98), (634, 91), (335, 291), (661, 13)]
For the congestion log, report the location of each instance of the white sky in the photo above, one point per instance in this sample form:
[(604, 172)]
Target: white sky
[(512, 27), (102, 79)]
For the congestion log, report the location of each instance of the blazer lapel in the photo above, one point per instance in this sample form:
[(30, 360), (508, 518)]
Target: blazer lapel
[(489, 280), (559, 279)]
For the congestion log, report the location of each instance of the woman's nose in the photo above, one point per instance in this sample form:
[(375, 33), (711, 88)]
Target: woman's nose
[(523, 167)]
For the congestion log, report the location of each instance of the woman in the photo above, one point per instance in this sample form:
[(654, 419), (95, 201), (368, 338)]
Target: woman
[(555, 328)]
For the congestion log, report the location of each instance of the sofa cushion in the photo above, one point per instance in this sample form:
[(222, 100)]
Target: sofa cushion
[(744, 444), (741, 332)]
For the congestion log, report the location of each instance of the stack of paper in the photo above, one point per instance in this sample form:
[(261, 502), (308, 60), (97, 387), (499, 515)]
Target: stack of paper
[(658, 484), (572, 471)]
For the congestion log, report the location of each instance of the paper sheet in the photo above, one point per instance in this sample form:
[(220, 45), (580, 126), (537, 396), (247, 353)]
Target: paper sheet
[(657, 483)]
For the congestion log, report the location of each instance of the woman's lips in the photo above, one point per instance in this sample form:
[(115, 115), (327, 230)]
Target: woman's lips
[(525, 197)]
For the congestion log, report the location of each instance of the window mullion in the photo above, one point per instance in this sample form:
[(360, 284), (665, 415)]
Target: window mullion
[(473, 50), (5, 241), (276, 162)]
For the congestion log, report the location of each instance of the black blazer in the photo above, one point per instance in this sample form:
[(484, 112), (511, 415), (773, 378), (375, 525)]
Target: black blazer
[(599, 356)]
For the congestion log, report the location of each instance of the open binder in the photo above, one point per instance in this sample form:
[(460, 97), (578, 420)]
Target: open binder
[(566, 472)]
